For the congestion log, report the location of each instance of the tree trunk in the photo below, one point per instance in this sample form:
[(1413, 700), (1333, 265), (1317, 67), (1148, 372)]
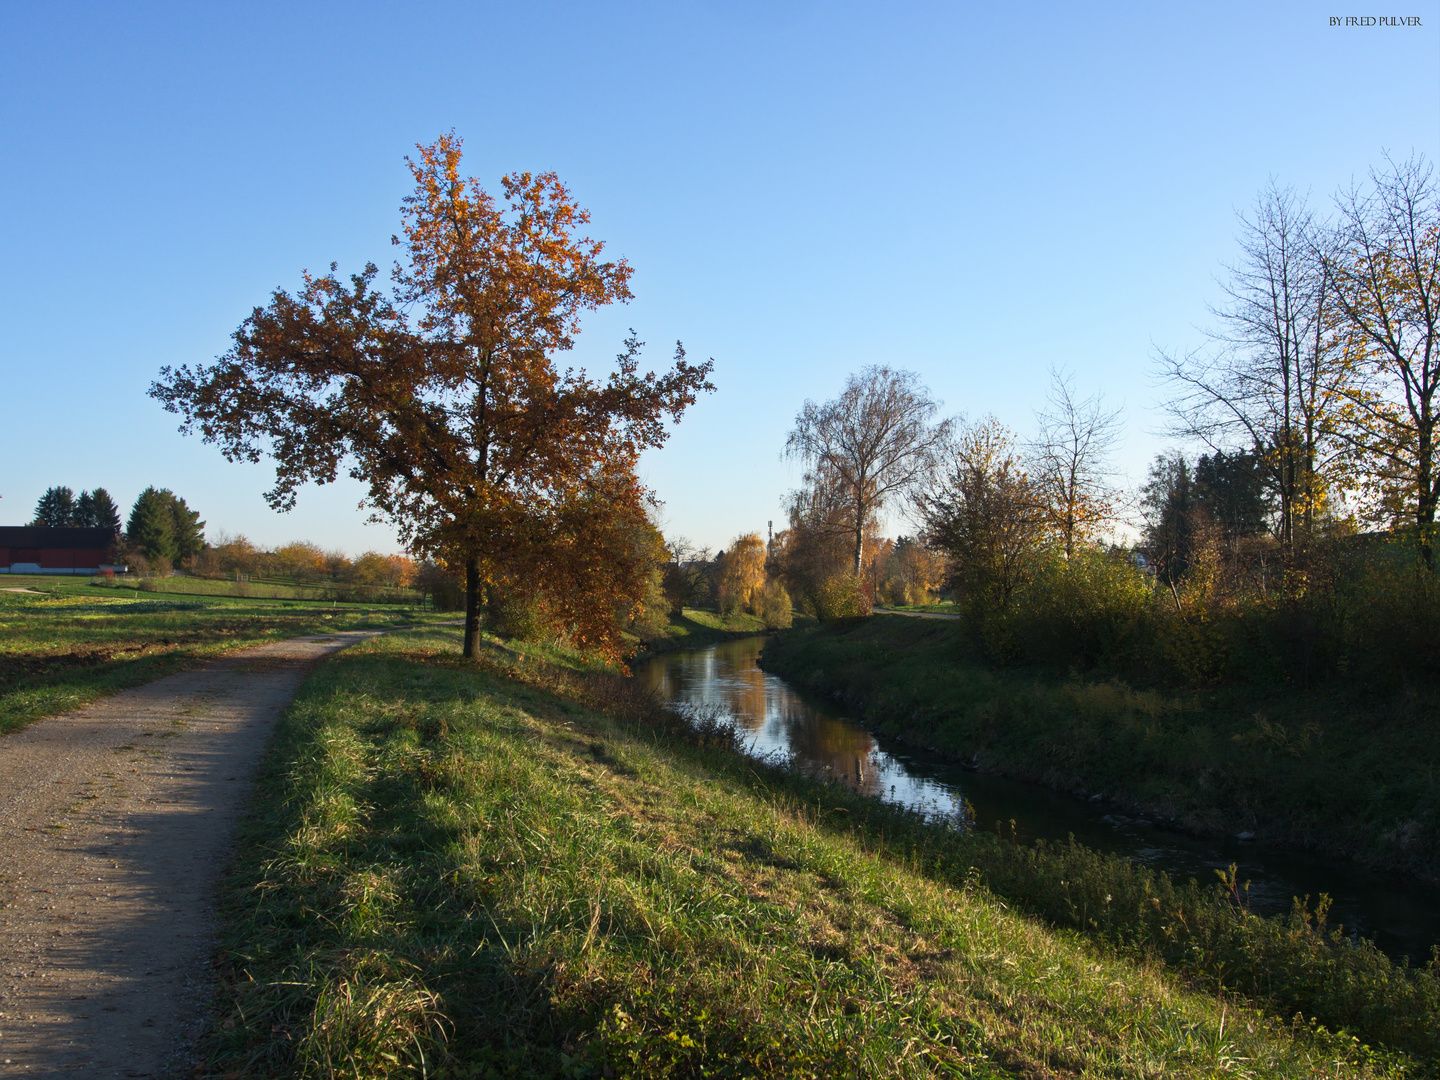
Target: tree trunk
[(472, 606)]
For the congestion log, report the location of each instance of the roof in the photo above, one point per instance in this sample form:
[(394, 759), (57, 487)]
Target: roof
[(43, 536)]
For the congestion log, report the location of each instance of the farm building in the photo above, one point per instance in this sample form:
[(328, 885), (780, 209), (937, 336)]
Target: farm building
[(40, 549)]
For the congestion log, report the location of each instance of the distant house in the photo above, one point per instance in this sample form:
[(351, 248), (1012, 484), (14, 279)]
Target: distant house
[(40, 549)]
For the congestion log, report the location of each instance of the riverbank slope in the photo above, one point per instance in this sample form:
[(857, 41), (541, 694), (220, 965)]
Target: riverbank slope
[(495, 869), (1330, 767)]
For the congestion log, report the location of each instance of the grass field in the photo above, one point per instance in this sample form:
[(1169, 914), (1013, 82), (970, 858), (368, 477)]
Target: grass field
[(499, 870), (1338, 767), (264, 589), (73, 643)]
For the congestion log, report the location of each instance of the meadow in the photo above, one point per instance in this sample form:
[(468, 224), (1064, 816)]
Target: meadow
[(70, 642), (275, 588), (520, 867)]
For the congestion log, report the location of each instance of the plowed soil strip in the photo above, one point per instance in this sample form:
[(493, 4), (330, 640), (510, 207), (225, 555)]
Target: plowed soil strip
[(115, 823)]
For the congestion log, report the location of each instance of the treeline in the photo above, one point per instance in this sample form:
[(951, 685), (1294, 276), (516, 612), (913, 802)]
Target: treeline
[(305, 563), (162, 535), (1297, 544), (59, 507)]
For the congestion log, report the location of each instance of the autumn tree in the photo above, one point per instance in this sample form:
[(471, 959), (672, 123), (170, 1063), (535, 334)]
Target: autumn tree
[(871, 446), (815, 553), (911, 572), (1070, 462), (1274, 379), (985, 514), (1386, 266), (444, 396), (742, 574)]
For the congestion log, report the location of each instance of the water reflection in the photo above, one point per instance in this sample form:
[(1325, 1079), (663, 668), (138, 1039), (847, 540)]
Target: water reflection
[(781, 725), (1399, 913)]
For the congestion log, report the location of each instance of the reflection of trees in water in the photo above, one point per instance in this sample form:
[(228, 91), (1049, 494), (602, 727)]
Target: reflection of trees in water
[(749, 699), (728, 676), (822, 742)]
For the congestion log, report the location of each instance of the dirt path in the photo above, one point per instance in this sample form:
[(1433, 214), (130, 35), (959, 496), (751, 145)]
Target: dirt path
[(115, 824)]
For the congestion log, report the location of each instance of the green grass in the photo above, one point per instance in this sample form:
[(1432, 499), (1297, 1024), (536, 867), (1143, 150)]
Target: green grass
[(1336, 768), (266, 589), (500, 870), (74, 643)]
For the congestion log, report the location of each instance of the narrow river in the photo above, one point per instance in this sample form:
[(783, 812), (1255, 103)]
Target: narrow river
[(1400, 914)]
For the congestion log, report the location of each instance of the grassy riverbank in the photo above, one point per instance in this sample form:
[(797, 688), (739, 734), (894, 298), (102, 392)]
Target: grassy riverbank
[(516, 869), (694, 628), (1336, 767), (64, 648)]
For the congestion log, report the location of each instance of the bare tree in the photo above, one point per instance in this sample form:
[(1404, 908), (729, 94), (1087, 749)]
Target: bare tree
[(1070, 458), (1386, 266), (1274, 380), (873, 444)]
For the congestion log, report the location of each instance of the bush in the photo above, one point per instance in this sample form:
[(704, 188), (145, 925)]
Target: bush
[(839, 597), (1089, 609), (775, 606), (520, 616)]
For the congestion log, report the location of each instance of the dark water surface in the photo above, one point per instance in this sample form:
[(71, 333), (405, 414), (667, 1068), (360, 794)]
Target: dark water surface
[(1400, 914)]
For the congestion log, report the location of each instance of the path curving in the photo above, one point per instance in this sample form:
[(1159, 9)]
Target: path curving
[(115, 824)]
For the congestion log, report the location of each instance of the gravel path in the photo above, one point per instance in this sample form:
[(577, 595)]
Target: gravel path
[(115, 824)]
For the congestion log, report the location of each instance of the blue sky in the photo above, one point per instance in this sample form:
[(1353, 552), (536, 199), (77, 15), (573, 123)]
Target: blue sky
[(974, 192)]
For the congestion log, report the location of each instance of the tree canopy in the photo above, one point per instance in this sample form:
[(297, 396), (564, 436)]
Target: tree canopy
[(444, 398), (872, 444)]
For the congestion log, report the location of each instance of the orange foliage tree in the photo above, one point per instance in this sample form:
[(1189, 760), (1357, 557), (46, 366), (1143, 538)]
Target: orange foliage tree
[(742, 573), (445, 399)]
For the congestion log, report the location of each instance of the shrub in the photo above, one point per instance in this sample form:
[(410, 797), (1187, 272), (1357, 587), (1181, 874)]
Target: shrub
[(775, 606), (520, 616), (1085, 610), (839, 597)]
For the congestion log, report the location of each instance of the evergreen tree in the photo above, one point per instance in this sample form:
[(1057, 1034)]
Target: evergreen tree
[(84, 516), (56, 508), (104, 514), (186, 528), (161, 526), (1169, 504), (1232, 488), (151, 528)]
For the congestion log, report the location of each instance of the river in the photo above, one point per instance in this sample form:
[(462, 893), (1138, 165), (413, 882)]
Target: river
[(1400, 914)]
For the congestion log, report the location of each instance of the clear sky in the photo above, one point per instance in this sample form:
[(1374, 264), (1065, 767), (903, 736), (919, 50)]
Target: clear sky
[(974, 192)]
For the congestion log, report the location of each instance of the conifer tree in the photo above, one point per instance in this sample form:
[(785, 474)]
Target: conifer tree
[(56, 508)]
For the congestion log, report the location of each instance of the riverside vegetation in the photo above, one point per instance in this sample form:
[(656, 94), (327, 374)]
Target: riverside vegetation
[(1310, 722), (521, 866)]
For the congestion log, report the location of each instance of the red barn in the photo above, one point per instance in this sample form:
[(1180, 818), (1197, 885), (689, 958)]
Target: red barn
[(39, 549)]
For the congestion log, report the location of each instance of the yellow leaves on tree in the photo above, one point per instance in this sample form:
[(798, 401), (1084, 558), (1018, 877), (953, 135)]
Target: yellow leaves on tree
[(742, 574)]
